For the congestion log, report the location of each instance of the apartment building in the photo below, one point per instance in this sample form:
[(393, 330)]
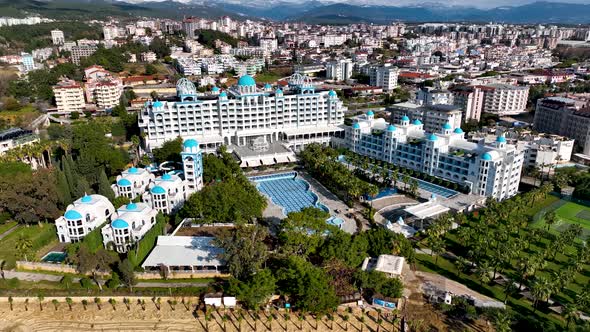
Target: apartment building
[(339, 70), (82, 51), (57, 37), (470, 100), (504, 99), (384, 77), (69, 96)]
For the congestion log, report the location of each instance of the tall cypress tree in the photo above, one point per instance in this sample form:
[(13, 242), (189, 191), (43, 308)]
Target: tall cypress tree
[(82, 187), (66, 164), (63, 190), (104, 186)]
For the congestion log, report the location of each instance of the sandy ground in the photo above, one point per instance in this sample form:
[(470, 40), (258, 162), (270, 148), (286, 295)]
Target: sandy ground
[(166, 319)]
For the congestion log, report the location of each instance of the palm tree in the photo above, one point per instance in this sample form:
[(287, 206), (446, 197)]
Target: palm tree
[(287, 318), (269, 320), (345, 318), (240, 318), (26, 304), (126, 301), (570, 313), (24, 245), (40, 298), (540, 290), (502, 323), (224, 320), (97, 301), (483, 273), (550, 219), (69, 301), (379, 322), (55, 303), (84, 303), (10, 301)]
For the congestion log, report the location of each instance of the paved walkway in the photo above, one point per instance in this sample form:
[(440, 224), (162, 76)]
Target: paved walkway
[(3, 235)]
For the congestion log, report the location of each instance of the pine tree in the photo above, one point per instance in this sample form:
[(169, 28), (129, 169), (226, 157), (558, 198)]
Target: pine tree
[(104, 186)]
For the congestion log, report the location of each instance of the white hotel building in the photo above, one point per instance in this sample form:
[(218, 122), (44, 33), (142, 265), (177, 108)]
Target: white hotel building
[(491, 170), (82, 217), (245, 114), (130, 223), (132, 182)]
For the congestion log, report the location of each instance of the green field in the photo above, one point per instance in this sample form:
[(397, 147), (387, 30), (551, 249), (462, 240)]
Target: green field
[(567, 213), (40, 236)]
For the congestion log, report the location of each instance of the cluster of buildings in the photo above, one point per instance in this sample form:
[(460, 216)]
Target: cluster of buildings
[(101, 88), (149, 195)]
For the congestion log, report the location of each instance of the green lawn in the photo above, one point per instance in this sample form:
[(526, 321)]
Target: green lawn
[(569, 212), (6, 226), (40, 235)]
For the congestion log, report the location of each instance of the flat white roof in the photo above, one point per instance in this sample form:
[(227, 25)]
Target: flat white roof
[(184, 251), (426, 210), (390, 264)]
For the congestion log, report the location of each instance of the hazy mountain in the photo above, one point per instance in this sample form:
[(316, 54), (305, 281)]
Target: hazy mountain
[(313, 11)]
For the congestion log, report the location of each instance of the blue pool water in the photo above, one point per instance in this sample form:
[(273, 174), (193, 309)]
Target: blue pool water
[(287, 191), (436, 189), (54, 257), (384, 193)]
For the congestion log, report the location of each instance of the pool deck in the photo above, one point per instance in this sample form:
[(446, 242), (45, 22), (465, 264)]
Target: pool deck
[(275, 212)]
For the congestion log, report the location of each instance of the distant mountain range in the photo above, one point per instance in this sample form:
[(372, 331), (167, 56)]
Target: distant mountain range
[(312, 11)]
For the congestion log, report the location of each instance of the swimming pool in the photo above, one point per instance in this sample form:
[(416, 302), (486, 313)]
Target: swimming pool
[(54, 257), (436, 189), (383, 193), (288, 191)]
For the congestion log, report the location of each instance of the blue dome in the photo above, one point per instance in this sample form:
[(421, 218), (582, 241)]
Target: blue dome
[(123, 183), (86, 199), (72, 215), (391, 128), (191, 143), (501, 139), (119, 223), (131, 206), (267, 86), (158, 103), (279, 91), (417, 122), (215, 89), (458, 130), (356, 125), (246, 80), (223, 94), (132, 170), (432, 137), (447, 126), (166, 177), (332, 93), (370, 113), (158, 190), (405, 118), (486, 156)]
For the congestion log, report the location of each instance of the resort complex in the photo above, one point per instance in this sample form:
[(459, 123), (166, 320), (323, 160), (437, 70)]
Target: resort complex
[(178, 173), (487, 170)]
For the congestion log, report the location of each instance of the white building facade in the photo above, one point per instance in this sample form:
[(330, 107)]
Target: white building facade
[(488, 170), (130, 223), (82, 217), (133, 182), (244, 113)]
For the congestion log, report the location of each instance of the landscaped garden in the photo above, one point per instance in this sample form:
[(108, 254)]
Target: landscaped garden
[(24, 242), (502, 254)]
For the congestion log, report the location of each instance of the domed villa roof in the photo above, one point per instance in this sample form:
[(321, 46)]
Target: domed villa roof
[(86, 199), (215, 89), (246, 80), (405, 118), (123, 183), (417, 122), (158, 190), (131, 206), (356, 125), (486, 156), (191, 143), (133, 170), (332, 93), (119, 223), (458, 130), (391, 128), (432, 137), (501, 139), (167, 177), (158, 103), (370, 113), (72, 215), (447, 126)]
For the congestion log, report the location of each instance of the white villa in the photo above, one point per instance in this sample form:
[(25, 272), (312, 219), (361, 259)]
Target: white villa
[(83, 216), (167, 193), (132, 182), (130, 223)]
